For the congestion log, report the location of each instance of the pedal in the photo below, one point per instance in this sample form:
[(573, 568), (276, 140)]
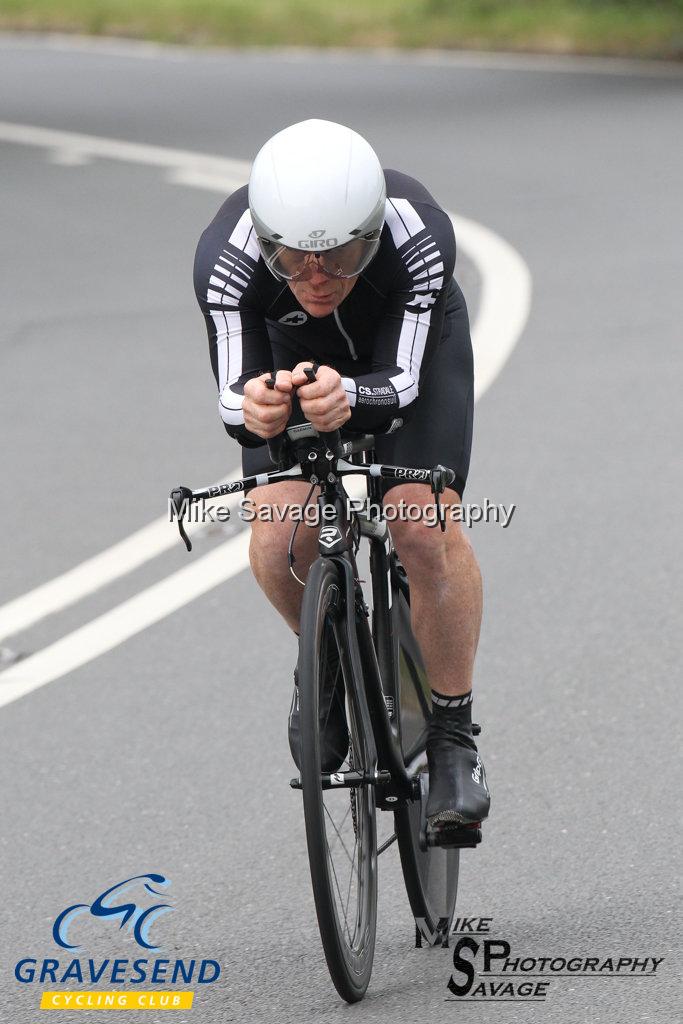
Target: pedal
[(462, 837)]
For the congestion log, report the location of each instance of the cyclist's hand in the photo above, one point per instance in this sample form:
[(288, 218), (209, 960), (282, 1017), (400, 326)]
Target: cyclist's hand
[(267, 411), (324, 403)]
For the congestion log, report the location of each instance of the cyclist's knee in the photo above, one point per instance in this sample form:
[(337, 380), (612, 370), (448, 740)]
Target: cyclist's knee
[(270, 540), (422, 546)]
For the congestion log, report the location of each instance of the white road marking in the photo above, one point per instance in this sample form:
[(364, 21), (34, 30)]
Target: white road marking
[(505, 299), (225, 174), (505, 302), (68, 158), (125, 620), (98, 571)]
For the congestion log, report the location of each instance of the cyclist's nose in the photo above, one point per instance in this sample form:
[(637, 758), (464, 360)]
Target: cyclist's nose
[(316, 274)]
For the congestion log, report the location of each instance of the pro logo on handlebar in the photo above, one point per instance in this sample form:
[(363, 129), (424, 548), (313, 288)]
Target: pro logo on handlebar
[(411, 474)]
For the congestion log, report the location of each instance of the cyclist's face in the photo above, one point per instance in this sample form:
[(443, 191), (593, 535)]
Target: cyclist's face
[(320, 294)]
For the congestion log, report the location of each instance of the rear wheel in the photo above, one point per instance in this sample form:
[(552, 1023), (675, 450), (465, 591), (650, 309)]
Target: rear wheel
[(431, 875), (340, 822)]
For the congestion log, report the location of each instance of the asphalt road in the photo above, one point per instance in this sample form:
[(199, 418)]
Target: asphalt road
[(169, 752)]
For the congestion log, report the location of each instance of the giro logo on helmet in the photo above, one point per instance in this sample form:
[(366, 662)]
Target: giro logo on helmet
[(317, 234), (318, 243)]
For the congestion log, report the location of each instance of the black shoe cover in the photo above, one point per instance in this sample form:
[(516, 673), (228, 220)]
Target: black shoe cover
[(458, 793)]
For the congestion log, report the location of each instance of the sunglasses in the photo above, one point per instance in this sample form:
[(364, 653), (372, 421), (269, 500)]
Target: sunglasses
[(344, 261)]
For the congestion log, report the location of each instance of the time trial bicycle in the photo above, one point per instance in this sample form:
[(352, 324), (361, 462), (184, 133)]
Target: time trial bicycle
[(371, 656)]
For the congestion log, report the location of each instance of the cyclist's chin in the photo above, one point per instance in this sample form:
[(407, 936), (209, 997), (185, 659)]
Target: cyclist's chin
[(319, 307)]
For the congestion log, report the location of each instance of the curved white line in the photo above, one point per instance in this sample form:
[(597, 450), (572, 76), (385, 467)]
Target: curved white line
[(505, 299), (125, 620), (94, 573), (504, 308), (229, 173)]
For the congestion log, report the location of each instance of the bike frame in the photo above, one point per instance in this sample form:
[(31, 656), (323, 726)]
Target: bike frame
[(373, 651)]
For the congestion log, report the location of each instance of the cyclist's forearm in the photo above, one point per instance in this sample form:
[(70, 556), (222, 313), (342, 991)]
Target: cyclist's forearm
[(230, 406), (379, 396)]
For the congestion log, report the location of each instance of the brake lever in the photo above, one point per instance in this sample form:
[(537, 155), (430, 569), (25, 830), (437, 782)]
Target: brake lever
[(441, 477), (180, 497), (439, 512)]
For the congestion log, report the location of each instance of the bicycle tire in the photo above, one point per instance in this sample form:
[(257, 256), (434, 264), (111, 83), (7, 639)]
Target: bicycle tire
[(348, 947), (430, 876)]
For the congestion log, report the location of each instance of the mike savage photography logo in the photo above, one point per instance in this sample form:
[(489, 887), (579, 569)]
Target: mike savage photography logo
[(208, 512), (490, 970), (134, 906)]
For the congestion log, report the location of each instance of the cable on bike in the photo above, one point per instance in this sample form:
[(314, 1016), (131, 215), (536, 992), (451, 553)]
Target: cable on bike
[(290, 549)]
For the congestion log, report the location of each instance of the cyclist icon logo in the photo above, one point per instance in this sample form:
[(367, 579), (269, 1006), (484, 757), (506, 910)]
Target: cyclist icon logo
[(138, 918)]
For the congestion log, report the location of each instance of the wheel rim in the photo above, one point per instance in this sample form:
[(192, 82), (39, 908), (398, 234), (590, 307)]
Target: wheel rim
[(340, 833), (348, 816)]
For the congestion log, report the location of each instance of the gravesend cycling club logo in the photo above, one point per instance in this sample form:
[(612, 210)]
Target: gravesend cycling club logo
[(138, 919), (134, 907)]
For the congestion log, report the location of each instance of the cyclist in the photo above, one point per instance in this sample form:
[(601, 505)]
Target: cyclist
[(326, 260)]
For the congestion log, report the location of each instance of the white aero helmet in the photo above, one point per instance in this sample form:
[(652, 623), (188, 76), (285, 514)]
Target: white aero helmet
[(317, 196)]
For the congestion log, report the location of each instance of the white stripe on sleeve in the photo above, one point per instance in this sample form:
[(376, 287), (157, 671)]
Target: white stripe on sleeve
[(403, 220), (349, 385), (406, 387)]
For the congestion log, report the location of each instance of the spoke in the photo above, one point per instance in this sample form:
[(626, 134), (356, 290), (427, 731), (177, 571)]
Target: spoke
[(343, 821), (353, 872), (344, 847), (348, 895), (343, 906), (341, 901)]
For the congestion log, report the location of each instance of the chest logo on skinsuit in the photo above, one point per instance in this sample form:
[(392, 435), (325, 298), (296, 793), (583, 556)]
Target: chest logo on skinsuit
[(294, 319)]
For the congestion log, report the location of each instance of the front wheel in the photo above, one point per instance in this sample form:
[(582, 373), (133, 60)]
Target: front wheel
[(340, 822)]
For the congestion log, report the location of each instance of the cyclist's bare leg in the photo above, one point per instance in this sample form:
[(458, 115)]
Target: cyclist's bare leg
[(445, 589), (445, 582), (270, 541)]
